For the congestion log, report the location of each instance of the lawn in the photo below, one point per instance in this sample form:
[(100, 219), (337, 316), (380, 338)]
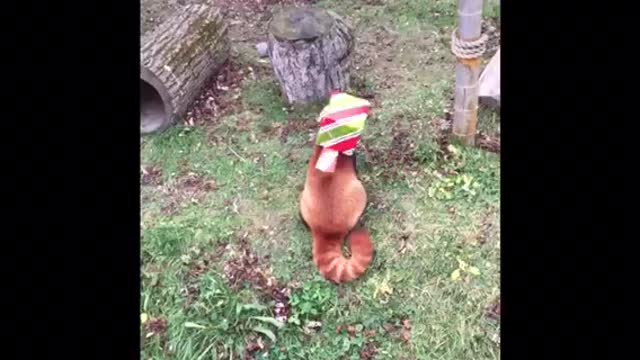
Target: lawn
[(226, 263)]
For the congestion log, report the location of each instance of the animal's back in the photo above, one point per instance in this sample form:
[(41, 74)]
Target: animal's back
[(333, 203)]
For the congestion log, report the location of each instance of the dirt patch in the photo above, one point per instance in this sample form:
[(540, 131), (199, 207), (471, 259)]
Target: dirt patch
[(189, 187), (156, 329), (194, 182), (402, 147), (493, 312), (263, 222), (350, 296), (488, 143), (406, 244), (377, 201), (244, 120), (296, 126), (362, 89), (443, 128), (377, 58), (219, 96), (156, 326), (151, 176), (400, 331), (368, 352), (399, 155), (405, 333), (203, 262), (282, 309), (254, 344), (247, 268), (171, 207), (487, 229), (248, 18)]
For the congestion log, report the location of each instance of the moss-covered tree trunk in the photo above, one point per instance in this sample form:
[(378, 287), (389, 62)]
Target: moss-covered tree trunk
[(176, 60), (310, 51)]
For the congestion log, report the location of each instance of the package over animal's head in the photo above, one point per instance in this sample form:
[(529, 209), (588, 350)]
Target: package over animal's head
[(341, 124)]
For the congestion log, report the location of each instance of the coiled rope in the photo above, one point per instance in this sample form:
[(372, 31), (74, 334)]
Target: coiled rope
[(463, 49)]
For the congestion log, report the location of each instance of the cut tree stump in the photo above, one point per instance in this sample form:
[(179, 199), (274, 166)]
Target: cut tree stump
[(310, 51), (176, 59)]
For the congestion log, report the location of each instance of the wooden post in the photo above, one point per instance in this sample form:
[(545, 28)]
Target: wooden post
[(465, 113)]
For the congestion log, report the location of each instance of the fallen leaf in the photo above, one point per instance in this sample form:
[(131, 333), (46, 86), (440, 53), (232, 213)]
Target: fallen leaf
[(314, 324), (351, 330), (462, 265), (269, 320), (253, 347), (455, 275), (382, 289), (388, 327), (241, 308), (406, 335), (194, 325), (266, 332)]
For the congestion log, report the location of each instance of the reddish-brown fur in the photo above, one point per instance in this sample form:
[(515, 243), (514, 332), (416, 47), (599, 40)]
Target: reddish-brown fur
[(331, 205)]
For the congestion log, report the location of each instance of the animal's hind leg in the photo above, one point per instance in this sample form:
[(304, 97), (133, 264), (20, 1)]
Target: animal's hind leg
[(355, 163), (355, 201), (302, 219), (304, 209)]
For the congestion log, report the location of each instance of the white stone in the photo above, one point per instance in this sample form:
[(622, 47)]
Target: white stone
[(262, 49)]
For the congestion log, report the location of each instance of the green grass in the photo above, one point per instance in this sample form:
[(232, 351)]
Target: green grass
[(491, 9), (434, 217)]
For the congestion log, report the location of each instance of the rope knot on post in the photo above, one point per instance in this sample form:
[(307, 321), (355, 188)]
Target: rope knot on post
[(464, 49)]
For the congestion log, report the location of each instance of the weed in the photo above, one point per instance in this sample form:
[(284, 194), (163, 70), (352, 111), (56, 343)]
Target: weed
[(312, 301)]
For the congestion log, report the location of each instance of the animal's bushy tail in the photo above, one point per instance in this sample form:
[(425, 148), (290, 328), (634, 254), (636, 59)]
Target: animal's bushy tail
[(327, 255)]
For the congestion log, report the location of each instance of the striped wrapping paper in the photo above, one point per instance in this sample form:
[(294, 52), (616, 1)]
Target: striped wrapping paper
[(341, 123)]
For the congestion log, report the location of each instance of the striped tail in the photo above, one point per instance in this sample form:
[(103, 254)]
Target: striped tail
[(327, 255)]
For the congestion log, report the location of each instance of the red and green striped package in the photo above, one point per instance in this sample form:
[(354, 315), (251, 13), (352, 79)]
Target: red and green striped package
[(341, 123)]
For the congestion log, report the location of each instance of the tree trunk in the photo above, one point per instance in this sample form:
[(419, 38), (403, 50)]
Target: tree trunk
[(176, 60), (310, 51)]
